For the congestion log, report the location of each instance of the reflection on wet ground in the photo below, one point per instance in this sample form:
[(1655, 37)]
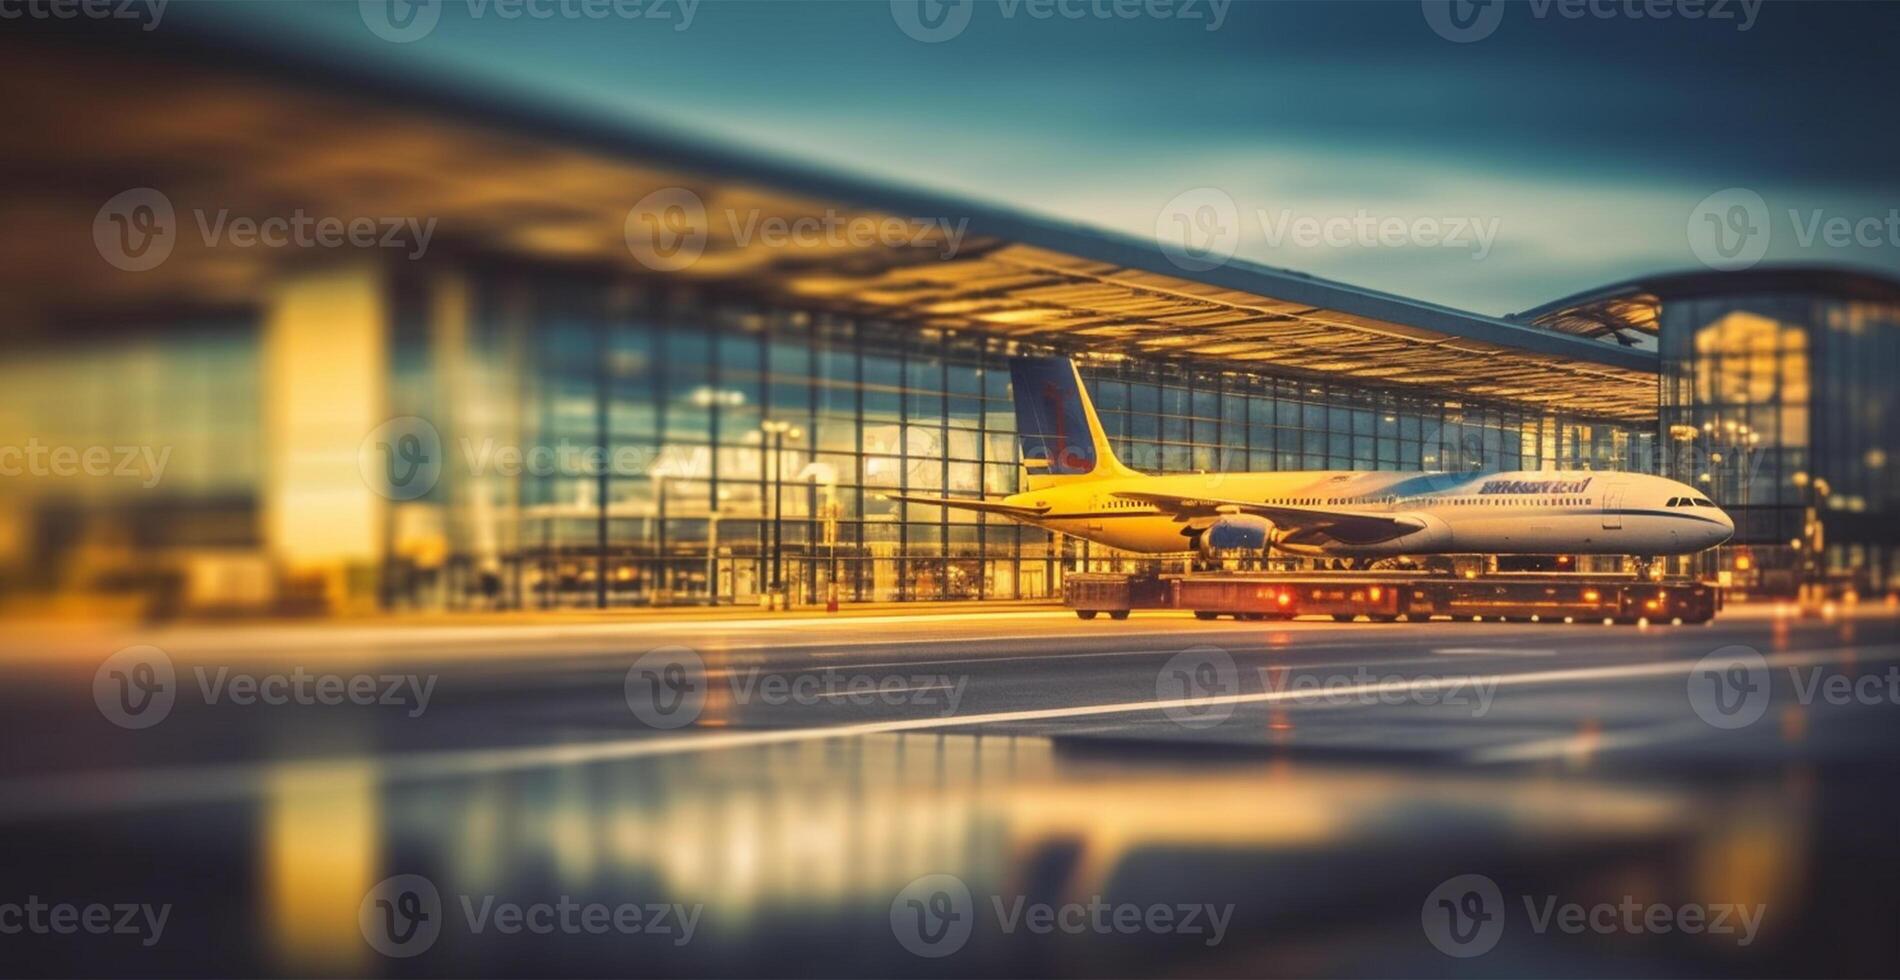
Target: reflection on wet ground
[(526, 825), (788, 860)]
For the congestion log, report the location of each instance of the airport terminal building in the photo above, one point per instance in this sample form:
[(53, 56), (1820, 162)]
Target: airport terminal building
[(606, 382)]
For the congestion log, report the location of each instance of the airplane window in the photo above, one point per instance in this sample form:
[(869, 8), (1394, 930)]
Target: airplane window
[(1699, 502), (1674, 502)]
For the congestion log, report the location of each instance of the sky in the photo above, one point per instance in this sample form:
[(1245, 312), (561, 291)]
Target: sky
[(1490, 158)]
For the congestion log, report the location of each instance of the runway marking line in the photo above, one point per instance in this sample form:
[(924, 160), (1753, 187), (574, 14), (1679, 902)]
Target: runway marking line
[(185, 784)]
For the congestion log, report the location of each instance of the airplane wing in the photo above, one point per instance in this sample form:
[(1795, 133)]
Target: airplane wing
[(968, 503), (1344, 526)]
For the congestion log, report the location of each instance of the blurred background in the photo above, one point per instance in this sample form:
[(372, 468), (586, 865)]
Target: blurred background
[(248, 236), (499, 342)]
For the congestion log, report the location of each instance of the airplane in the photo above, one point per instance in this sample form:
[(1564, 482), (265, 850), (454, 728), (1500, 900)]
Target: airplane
[(1075, 485)]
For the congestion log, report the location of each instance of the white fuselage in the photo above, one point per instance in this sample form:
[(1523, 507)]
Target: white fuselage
[(1524, 512)]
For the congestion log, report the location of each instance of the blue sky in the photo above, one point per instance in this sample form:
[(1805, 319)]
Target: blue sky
[(1570, 150)]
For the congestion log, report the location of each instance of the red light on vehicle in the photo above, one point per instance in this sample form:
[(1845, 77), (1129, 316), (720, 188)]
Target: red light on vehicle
[(1589, 595), (1651, 604), (1377, 593), (1284, 599)]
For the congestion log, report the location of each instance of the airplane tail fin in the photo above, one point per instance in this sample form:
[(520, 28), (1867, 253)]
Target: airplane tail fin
[(1062, 438)]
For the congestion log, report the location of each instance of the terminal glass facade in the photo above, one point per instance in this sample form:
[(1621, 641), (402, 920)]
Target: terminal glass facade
[(1779, 406), (683, 500)]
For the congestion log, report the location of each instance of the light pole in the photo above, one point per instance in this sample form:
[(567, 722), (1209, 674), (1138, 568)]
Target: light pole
[(776, 432)]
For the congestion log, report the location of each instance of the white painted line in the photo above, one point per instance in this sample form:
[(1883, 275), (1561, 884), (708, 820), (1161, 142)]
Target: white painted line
[(44, 796), (880, 691), (1589, 743), (1491, 652)]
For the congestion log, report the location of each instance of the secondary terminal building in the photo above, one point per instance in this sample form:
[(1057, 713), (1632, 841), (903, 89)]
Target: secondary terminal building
[(628, 369)]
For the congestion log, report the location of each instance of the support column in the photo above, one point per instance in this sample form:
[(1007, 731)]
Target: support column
[(325, 376)]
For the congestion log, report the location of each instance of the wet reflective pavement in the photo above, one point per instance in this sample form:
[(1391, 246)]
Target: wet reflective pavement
[(1019, 796)]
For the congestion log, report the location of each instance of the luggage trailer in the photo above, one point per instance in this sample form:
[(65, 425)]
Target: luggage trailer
[(1526, 597)]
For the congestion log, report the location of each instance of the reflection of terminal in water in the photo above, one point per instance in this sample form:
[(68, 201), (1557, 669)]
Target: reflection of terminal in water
[(800, 829), (321, 848)]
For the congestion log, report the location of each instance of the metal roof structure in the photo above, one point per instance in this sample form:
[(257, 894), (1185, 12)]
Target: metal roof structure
[(271, 126), (1630, 312)]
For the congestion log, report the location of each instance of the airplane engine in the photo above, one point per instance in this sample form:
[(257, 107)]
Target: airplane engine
[(1238, 532)]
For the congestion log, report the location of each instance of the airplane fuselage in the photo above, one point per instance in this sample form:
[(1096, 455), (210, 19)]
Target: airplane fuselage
[(1522, 512)]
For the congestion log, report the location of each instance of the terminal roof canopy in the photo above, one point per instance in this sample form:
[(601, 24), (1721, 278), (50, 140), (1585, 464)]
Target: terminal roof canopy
[(228, 128)]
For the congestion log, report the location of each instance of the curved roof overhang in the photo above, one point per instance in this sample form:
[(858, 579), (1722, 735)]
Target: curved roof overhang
[(258, 127)]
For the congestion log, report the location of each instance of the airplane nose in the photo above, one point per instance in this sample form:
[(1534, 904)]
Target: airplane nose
[(1726, 531)]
